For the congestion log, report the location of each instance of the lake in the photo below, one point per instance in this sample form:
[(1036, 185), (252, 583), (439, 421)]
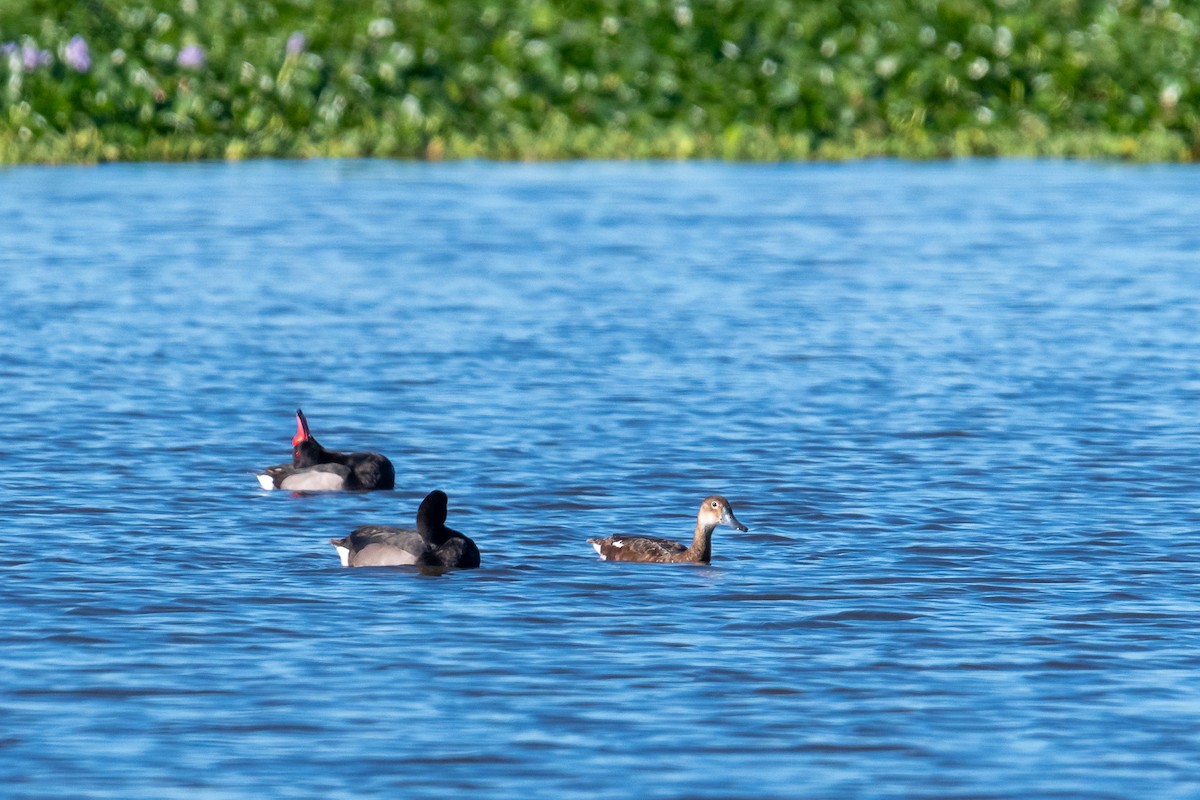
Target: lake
[(955, 403)]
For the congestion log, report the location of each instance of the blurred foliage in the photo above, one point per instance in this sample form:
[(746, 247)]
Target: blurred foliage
[(536, 79)]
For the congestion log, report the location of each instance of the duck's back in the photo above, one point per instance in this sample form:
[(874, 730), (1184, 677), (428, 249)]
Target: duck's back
[(626, 547)]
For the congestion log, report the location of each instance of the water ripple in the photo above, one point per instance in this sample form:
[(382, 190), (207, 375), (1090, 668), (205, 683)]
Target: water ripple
[(953, 402)]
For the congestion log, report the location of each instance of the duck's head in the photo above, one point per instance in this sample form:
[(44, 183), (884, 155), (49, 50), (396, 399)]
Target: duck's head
[(306, 451), (715, 510), (302, 432)]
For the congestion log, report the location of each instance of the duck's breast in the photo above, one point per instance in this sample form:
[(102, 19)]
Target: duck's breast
[(457, 553)]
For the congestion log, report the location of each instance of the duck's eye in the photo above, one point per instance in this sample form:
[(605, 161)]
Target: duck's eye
[(714, 504)]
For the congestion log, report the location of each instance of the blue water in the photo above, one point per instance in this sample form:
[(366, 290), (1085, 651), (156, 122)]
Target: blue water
[(955, 403)]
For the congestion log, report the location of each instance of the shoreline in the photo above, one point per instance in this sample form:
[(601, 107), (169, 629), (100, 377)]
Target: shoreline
[(743, 145)]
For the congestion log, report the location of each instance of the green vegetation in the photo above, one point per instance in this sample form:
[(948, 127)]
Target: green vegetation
[(101, 80)]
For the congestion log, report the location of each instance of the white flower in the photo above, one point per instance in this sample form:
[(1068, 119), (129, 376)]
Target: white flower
[(1003, 44), (1168, 98), (411, 108), (887, 66), (381, 28), (536, 48)]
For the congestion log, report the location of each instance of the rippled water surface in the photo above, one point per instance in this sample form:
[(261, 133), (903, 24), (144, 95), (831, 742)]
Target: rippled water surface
[(956, 404)]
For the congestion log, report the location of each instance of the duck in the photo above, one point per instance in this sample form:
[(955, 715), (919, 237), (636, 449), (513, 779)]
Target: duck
[(316, 469), (714, 510), (432, 544)]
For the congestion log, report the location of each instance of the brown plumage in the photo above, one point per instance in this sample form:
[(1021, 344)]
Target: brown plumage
[(714, 511)]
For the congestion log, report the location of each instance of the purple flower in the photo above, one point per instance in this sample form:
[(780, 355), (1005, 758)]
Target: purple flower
[(296, 44), (32, 57), (191, 57), (76, 54), (8, 48)]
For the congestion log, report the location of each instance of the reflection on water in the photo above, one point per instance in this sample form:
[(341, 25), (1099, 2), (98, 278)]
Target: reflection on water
[(954, 403)]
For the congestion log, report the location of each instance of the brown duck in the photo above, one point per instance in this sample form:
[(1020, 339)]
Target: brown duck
[(714, 511)]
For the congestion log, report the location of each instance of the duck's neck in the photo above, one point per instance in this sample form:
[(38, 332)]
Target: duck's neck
[(437, 535), (310, 453), (701, 549)]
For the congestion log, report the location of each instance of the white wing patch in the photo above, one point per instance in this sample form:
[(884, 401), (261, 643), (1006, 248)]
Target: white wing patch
[(344, 554), (265, 481)]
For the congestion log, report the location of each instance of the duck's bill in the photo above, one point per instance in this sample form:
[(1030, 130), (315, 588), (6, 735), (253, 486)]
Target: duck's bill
[(727, 518), (302, 434)]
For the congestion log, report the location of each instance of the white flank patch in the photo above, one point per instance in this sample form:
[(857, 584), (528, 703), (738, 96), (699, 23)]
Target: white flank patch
[(596, 546), (265, 481), (343, 554), (313, 481)]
